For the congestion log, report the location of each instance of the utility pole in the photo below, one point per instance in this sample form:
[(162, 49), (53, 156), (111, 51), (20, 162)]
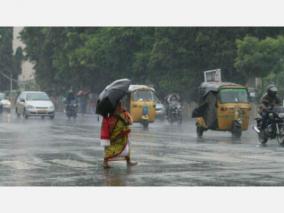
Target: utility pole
[(11, 83)]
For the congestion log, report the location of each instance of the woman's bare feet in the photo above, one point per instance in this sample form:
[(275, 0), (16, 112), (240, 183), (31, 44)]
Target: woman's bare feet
[(130, 163), (106, 165)]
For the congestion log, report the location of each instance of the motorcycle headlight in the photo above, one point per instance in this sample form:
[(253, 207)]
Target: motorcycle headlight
[(7, 104), (270, 115)]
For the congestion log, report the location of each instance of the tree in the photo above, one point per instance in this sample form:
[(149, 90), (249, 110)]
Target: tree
[(258, 58), (170, 58), (6, 58)]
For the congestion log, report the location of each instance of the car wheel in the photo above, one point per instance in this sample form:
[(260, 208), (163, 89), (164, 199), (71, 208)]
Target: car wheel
[(51, 117)]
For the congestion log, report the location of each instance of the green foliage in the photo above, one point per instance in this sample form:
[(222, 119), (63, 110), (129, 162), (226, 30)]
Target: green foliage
[(171, 58), (260, 57), (6, 57)]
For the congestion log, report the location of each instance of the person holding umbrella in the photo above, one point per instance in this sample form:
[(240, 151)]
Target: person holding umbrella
[(116, 122), (119, 130)]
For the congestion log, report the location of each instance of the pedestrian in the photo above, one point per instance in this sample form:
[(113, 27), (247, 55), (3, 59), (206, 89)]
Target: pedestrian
[(83, 95), (117, 125)]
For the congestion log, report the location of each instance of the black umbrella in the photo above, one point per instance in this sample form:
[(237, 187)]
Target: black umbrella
[(110, 96)]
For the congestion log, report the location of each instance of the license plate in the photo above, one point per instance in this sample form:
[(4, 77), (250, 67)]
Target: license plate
[(42, 111)]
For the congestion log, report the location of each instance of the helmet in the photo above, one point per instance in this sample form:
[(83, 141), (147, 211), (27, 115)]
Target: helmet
[(272, 90)]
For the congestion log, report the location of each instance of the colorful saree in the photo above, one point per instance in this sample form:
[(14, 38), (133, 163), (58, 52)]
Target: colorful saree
[(119, 143)]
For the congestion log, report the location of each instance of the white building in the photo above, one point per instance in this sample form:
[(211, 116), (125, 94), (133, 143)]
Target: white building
[(28, 73)]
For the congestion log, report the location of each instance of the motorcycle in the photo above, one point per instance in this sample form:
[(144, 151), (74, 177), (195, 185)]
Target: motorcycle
[(175, 112), (71, 109), (271, 125)]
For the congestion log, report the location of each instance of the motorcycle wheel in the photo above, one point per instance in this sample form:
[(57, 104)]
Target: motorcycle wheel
[(262, 138), (199, 131), (170, 119), (180, 120)]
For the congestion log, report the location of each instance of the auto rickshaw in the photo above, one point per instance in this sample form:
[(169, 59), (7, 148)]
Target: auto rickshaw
[(141, 104), (223, 107)]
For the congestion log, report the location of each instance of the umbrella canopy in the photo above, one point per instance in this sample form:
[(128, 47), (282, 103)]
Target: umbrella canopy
[(110, 96)]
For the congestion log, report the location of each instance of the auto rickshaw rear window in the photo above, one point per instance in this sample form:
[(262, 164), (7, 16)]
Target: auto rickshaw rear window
[(145, 95), (233, 95)]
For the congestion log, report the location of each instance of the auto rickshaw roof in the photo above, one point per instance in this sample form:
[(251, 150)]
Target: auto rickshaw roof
[(140, 87), (207, 87)]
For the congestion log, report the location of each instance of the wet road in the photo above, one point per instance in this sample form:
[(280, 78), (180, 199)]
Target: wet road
[(59, 152)]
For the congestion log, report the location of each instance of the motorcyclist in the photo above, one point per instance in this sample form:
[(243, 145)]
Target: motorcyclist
[(268, 101), (173, 100), (70, 97)]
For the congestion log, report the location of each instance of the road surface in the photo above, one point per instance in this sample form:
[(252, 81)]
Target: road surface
[(62, 152)]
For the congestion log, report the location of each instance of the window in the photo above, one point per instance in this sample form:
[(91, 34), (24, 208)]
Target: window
[(144, 95), (233, 95), (37, 96)]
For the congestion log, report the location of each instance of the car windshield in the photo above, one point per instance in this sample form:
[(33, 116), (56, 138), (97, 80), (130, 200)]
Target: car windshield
[(37, 96), (234, 95), (2, 96), (144, 95)]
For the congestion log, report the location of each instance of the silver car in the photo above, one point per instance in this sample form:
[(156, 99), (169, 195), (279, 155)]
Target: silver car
[(34, 103)]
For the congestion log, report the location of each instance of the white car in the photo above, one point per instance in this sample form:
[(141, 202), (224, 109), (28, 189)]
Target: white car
[(34, 103), (5, 104), (160, 111), (160, 108)]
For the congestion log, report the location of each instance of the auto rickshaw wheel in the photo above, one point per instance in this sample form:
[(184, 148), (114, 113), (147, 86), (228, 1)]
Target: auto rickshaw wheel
[(237, 133), (199, 131), (145, 124), (236, 130)]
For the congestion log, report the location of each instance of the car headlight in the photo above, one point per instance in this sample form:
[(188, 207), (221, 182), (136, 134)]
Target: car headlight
[(51, 107), (29, 107)]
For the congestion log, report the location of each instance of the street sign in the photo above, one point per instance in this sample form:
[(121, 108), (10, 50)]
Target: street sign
[(212, 75)]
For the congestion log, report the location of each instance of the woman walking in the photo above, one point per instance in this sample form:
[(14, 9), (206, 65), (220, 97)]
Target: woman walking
[(118, 127)]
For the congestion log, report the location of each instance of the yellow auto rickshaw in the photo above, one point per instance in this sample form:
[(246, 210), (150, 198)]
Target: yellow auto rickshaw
[(141, 104), (223, 107)]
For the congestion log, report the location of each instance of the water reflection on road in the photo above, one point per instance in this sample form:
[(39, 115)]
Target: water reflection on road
[(64, 152)]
